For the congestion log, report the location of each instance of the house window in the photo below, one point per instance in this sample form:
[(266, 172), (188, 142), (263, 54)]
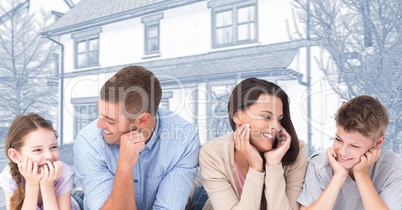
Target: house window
[(87, 48), (152, 33), (85, 111), (152, 39), (87, 52), (234, 24)]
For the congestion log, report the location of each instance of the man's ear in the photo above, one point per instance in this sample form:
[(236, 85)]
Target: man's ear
[(143, 119), (379, 142), (14, 155)]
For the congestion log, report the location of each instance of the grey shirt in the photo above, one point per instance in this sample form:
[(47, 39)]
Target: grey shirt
[(386, 175)]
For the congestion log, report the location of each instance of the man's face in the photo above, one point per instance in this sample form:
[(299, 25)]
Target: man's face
[(350, 146), (112, 121)]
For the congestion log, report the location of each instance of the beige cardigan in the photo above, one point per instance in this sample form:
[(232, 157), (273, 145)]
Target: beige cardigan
[(282, 184)]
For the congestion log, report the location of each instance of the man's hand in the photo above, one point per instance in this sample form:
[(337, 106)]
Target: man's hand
[(274, 156), (242, 144), (367, 160), (131, 144)]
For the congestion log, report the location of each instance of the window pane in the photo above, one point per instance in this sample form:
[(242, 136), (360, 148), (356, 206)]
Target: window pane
[(223, 35), (93, 112), (81, 59), (93, 57), (245, 14), (153, 44), (223, 18), (153, 31), (81, 46), (93, 44), (246, 32)]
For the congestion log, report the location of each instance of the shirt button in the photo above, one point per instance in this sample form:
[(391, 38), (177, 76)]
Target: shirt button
[(136, 180)]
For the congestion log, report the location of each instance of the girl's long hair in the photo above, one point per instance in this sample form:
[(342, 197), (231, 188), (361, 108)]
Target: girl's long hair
[(19, 129)]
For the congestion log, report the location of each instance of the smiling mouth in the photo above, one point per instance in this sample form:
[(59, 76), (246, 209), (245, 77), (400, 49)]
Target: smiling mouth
[(107, 132), (268, 136), (344, 158)]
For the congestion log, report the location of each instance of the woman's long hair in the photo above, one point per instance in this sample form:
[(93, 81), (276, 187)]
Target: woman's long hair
[(246, 94), (19, 129)]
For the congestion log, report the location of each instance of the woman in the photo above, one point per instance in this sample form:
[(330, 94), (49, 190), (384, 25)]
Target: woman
[(262, 164)]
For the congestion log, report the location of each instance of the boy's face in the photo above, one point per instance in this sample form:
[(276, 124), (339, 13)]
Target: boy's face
[(350, 146)]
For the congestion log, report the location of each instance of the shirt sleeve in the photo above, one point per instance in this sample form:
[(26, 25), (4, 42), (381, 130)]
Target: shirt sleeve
[(65, 183), (221, 193), (176, 185), (391, 191), (281, 192), (311, 187), (93, 174), (7, 182)]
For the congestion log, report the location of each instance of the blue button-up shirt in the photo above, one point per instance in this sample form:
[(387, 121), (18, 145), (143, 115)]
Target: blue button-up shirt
[(165, 171)]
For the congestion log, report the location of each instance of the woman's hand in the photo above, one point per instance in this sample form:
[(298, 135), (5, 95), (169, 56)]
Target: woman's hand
[(274, 156), (29, 171), (51, 172), (242, 144)]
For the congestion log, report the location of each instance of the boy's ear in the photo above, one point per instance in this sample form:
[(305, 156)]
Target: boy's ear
[(379, 142), (14, 156)]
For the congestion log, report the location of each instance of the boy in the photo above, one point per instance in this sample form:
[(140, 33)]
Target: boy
[(355, 173)]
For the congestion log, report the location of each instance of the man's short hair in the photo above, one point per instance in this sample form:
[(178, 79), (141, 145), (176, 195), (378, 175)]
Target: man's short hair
[(135, 86), (363, 114)]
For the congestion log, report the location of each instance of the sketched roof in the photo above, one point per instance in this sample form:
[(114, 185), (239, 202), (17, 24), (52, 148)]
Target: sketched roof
[(90, 13), (260, 61)]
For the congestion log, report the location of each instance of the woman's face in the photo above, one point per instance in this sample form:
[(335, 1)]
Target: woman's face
[(264, 117)]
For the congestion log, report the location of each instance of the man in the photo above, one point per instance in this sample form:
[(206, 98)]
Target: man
[(135, 156)]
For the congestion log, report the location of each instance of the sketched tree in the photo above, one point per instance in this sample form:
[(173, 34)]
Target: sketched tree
[(363, 38), (26, 64)]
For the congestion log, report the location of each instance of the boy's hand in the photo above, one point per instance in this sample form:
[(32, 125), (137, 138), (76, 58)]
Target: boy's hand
[(274, 156), (51, 172), (242, 144), (339, 170), (29, 171), (367, 160)]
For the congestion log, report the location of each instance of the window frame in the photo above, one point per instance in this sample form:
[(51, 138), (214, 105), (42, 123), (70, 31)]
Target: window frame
[(234, 40), (149, 21), (78, 119), (86, 36)]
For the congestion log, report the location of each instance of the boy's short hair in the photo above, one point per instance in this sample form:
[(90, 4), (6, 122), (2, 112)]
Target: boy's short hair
[(363, 114)]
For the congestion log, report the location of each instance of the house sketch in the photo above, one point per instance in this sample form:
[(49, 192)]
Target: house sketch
[(198, 49)]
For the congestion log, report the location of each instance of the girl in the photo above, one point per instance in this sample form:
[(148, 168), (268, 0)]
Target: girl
[(262, 164), (35, 178)]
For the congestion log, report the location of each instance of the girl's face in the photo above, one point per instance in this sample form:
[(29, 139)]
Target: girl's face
[(40, 146), (264, 117), (350, 146)]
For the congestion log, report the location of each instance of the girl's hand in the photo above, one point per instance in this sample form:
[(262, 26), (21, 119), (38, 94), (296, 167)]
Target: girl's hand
[(242, 144), (339, 170), (367, 160), (29, 171), (51, 172), (274, 156)]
